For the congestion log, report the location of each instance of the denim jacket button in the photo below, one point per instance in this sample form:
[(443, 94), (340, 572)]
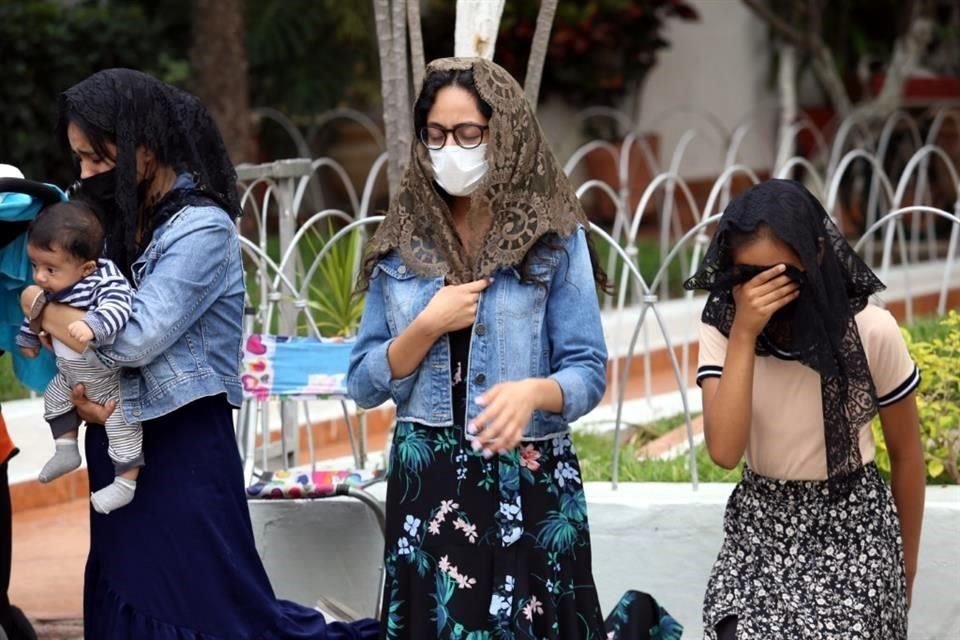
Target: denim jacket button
[(481, 330), (401, 269), (480, 379)]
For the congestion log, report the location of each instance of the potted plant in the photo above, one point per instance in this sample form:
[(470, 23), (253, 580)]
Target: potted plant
[(600, 54)]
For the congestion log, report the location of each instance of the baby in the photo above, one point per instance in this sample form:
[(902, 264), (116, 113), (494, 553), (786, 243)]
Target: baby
[(64, 244)]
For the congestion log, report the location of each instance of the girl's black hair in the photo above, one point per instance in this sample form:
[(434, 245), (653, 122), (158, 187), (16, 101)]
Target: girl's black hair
[(542, 251), (735, 239)]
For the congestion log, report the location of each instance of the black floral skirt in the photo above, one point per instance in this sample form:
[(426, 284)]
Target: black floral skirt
[(480, 549), (801, 562)]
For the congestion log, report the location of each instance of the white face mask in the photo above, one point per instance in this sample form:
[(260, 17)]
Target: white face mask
[(459, 170)]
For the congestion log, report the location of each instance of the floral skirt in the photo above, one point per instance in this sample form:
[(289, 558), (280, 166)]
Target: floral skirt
[(481, 549), (798, 562)]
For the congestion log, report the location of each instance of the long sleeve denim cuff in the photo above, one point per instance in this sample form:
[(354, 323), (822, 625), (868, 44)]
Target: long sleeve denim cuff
[(575, 398), (378, 369)]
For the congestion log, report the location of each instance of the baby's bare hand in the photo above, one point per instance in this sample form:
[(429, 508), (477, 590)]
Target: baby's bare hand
[(80, 331)]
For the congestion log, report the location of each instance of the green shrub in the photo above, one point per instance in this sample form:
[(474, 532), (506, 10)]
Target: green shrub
[(936, 351), (10, 387), (331, 298), (49, 45)]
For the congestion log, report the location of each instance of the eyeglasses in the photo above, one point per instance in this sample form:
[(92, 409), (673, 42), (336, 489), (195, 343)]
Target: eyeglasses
[(467, 136)]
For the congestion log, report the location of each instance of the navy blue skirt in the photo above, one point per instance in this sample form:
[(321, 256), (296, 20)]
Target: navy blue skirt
[(179, 562)]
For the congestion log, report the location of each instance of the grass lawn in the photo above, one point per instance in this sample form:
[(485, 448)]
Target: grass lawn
[(596, 458), (648, 263), (10, 388)]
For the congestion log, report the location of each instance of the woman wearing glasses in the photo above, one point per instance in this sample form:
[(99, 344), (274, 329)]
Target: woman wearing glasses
[(482, 325)]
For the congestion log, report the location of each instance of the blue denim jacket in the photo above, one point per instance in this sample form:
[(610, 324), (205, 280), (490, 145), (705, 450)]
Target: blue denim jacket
[(521, 331), (183, 339)]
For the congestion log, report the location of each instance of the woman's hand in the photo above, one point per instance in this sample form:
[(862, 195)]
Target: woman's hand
[(90, 411), (453, 307), (508, 408), (45, 339), (759, 298), (29, 352)]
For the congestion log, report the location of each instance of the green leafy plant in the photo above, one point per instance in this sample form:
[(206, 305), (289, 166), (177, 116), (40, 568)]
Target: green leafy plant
[(334, 305), (937, 355)]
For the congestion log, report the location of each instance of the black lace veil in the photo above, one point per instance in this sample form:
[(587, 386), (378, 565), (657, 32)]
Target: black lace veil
[(133, 109), (818, 329)]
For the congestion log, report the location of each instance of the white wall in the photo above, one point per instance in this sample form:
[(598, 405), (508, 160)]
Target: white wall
[(718, 66)]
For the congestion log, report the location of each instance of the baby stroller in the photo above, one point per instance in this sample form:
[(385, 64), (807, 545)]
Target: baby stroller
[(20, 201)]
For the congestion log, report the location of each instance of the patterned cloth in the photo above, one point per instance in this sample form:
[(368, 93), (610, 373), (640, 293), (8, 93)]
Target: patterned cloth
[(799, 561), (479, 549), (295, 367), (306, 484)]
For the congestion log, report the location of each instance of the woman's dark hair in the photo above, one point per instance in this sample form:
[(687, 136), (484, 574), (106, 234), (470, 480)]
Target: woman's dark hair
[(541, 251), (68, 226), (131, 110), (98, 138), (432, 84)]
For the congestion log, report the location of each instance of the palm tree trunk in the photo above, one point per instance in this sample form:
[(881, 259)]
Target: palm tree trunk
[(538, 50), (787, 83), (218, 57), (478, 22), (381, 11), (401, 90), (415, 27)]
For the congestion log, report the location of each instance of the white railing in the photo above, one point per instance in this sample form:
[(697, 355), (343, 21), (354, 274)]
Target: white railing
[(900, 215)]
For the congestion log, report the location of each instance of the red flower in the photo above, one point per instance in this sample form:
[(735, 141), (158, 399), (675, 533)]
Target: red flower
[(529, 457)]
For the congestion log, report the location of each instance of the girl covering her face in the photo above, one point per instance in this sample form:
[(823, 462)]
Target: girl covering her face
[(794, 365)]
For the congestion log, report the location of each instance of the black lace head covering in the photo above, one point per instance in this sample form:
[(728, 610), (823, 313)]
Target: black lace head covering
[(818, 328), (132, 109)]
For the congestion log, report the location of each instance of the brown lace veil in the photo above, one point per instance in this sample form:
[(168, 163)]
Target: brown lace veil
[(524, 196)]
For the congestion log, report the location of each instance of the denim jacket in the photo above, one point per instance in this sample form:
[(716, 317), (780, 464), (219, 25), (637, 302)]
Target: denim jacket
[(183, 339), (521, 331)]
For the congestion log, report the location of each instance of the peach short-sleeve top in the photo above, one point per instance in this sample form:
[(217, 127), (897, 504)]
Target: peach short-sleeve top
[(786, 434)]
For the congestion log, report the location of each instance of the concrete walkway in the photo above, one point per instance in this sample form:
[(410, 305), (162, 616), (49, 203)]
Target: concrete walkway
[(659, 538), (663, 539)]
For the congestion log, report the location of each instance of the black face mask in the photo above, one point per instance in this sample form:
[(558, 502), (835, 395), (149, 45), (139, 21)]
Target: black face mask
[(787, 330), (101, 189), (783, 331)]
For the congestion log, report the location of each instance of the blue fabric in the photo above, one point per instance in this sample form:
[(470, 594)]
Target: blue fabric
[(290, 366), (179, 562), (522, 331), (184, 333), (15, 274)]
